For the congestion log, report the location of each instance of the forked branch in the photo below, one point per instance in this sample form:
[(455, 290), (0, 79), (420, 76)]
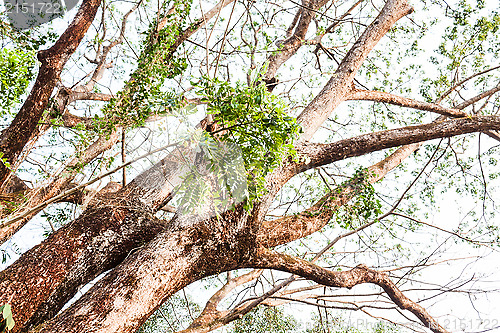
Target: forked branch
[(264, 258)]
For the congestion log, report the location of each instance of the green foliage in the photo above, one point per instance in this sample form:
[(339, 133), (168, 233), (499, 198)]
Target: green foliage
[(56, 217), (6, 322), (144, 93), (465, 48), (256, 121), (218, 175), (265, 319), (363, 206), (5, 254), (16, 72)]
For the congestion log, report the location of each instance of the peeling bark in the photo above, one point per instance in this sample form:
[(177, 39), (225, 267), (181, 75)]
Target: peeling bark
[(135, 288), (40, 282), (169, 258)]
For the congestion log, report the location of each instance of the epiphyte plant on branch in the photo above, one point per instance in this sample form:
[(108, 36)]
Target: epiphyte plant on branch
[(182, 149)]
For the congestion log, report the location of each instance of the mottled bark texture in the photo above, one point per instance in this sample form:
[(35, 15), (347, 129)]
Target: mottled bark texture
[(125, 217), (124, 299), (112, 226), (24, 126), (107, 232), (40, 282)]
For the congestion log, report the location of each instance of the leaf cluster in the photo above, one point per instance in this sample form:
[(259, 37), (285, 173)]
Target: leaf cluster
[(16, 72), (363, 206), (144, 93), (255, 120)]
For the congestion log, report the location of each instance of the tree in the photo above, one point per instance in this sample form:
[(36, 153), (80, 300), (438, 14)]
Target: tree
[(196, 212)]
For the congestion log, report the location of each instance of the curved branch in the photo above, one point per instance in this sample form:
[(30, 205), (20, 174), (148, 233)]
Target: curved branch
[(289, 228), (339, 86), (384, 97), (102, 144), (40, 198), (293, 41), (449, 91), (456, 112), (322, 154), (264, 258)]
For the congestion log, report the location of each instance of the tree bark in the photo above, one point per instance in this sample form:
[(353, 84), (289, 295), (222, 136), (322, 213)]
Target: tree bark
[(127, 296), (179, 255), (338, 87), (43, 279), (24, 126)]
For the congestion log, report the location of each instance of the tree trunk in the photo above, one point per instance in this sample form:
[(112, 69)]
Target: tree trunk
[(128, 295), (43, 279)]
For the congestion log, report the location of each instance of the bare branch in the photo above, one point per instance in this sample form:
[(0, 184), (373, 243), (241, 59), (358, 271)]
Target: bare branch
[(338, 87), (449, 91), (211, 318), (322, 154), (293, 41), (264, 258)]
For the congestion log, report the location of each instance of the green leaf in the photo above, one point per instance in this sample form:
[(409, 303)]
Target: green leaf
[(6, 311)]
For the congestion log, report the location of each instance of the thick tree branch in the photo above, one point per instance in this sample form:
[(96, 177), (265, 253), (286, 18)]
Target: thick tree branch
[(456, 112), (74, 255), (119, 219), (102, 144), (264, 258), (290, 228), (61, 182), (322, 154), (174, 259), (293, 41), (383, 97), (338, 87), (16, 136)]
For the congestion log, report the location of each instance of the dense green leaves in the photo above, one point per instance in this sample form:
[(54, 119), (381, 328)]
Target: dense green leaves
[(15, 75), (256, 121), (144, 94), (265, 319), (253, 133), (364, 204), (217, 177)]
